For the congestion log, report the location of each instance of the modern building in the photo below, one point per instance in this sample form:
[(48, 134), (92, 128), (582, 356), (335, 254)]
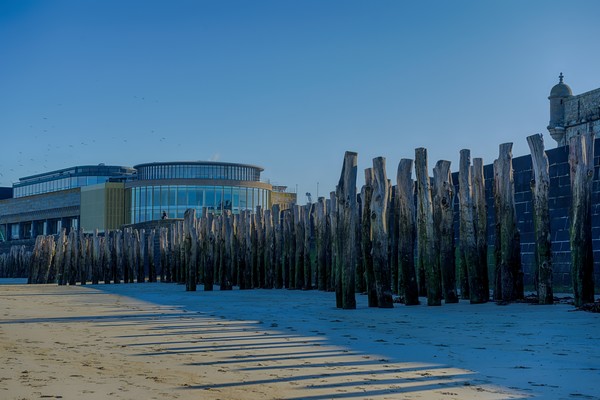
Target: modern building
[(572, 115), (170, 188), (106, 197)]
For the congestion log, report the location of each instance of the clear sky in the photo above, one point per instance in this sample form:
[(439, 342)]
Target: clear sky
[(288, 85)]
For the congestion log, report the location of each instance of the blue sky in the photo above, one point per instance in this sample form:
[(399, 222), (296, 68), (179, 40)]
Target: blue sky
[(288, 85)]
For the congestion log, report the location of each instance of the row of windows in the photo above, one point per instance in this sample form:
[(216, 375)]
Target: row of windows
[(58, 184), (228, 172), (149, 202)]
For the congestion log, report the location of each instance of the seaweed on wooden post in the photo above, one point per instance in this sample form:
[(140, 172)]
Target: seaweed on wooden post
[(366, 193), (509, 273), (408, 286), (380, 233), (346, 230), (468, 243), (480, 223), (428, 256), (540, 184), (581, 163), (443, 217)]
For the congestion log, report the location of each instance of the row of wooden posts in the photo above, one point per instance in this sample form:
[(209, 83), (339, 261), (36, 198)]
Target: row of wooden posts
[(380, 241)]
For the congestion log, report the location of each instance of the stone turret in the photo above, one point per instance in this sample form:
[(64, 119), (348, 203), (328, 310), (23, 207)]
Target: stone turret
[(559, 93)]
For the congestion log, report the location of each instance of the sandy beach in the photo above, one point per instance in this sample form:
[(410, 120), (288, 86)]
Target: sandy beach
[(155, 341)]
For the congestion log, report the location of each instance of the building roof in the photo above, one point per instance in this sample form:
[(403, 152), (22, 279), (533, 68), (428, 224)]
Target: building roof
[(561, 89)]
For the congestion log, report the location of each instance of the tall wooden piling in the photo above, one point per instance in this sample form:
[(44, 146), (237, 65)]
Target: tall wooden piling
[(366, 195), (380, 234), (443, 218), (346, 231), (427, 254), (468, 243), (406, 233), (509, 273), (480, 223), (581, 162)]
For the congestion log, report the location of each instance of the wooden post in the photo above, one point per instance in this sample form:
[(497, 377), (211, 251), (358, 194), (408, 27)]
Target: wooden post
[(480, 223), (191, 248), (269, 247), (468, 243), (393, 234), (82, 262), (540, 184), (406, 233), (332, 209), (278, 246), (308, 264), (581, 162), (366, 242), (509, 274), (226, 259), (95, 253), (288, 248), (443, 216), (346, 230), (299, 256), (380, 233), (321, 234), (428, 254), (59, 259)]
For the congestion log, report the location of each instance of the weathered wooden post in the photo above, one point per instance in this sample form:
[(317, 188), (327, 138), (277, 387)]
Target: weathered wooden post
[(335, 268), (321, 233), (393, 234), (540, 184), (269, 247), (443, 217), (154, 256), (278, 246), (191, 248), (581, 162), (379, 234), (428, 254), (468, 242), (143, 256), (366, 195), (480, 222), (289, 249), (243, 250), (83, 260), (308, 228), (59, 259), (299, 256), (406, 233), (346, 232), (226, 259), (509, 273), (95, 259)]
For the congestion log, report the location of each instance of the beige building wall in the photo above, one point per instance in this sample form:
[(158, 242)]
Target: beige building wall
[(103, 207)]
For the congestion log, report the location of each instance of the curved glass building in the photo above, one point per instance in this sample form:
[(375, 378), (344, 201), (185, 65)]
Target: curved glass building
[(173, 187)]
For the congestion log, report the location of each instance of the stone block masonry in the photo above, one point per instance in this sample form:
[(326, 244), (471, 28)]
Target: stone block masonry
[(559, 204)]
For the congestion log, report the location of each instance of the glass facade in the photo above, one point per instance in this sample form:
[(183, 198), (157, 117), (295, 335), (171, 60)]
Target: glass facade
[(198, 170), (68, 178), (148, 202)]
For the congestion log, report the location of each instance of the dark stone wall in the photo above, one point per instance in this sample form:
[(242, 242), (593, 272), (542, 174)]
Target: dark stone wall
[(559, 204)]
